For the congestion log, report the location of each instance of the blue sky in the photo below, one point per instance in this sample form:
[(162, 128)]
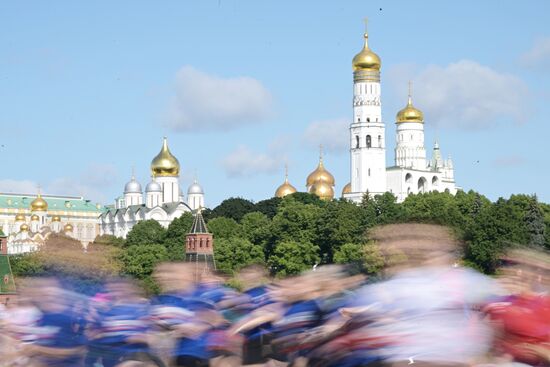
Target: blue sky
[(88, 90)]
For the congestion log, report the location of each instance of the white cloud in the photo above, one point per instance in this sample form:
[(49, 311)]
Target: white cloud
[(207, 102), (89, 184), (332, 134), (18, 186), (465, 94), (243, 162), (538, 57)]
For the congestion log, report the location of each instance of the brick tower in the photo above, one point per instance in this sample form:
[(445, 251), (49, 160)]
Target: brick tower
[(199, 245)]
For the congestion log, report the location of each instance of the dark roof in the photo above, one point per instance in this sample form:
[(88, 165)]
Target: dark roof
[(199, 226)]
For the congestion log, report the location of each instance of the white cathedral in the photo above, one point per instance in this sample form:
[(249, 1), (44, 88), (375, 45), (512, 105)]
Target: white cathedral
[(163, 200), (412, 172)]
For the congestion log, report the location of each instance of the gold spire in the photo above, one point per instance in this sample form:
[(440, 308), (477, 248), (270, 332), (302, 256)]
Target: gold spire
[(320, 173), (286, 188), (366, 59), (410, 113), (39, 204), (165, 164)]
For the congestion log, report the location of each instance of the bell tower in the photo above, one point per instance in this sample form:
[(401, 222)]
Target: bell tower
[(367, 131), (199, 245)]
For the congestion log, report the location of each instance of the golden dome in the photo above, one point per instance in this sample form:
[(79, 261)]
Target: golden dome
[(322, 189), (20, 217), (366, 59), (35, 217), (346, 189), (165, 164), (68, 227), (320, 174), (56, 218), (410, 113), (24, 227), (285, 189), (39, 204)]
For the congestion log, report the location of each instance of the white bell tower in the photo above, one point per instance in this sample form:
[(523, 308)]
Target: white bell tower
[(367, 131)]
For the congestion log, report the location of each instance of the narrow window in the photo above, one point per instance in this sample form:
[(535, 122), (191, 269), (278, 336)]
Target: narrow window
[(356, 141), (380, 141), (368, 119), (369, 172), (369, 143)]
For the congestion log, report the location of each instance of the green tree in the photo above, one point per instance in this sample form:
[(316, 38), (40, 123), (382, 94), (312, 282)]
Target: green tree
[(361, 257), (174, 237), (268, 207), (534, 222), (234, 208), (145, 233), (108, 240), (232, 254), (291, 257), (222, 227), (27, 265), (305, 198), (255, 228), (294, 221), (140, 260), (433, 207), (339, 222)]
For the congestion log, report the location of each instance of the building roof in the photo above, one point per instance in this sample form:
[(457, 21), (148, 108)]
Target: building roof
[(199, 226), (7, 284), (63, 203)]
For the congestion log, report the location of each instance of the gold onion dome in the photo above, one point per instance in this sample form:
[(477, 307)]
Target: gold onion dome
[(346, 189), (165, 164), (322, 189), (285, 189), (68, 227), (20, 218), (24, 227), (56, 218), (39, 204), (320, 174), (410, 113), (366, 59), (34, 217)]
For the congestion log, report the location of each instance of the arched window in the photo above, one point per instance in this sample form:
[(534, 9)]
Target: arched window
[(422, 185), (408, 178), (435, 181), (368, 172), (368, 119), (379, 141), (369, 143), (357, 141), (359, 119)]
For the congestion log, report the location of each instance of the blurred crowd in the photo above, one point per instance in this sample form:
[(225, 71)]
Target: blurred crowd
[(426, 310)]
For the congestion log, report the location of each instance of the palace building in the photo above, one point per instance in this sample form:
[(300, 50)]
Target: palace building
[(162, 201), (28, 220), (411, 173)]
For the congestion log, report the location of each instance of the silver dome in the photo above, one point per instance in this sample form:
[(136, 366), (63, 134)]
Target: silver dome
[(195, 188), (153, 186), (132, 187)]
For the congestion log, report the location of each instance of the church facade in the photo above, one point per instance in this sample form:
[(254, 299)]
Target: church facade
[(412, 172), (162, 201)]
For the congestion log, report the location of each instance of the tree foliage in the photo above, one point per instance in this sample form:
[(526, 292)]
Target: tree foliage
[(291, 258), (174, 237), (231, 254), (234, 208), (145, 233)]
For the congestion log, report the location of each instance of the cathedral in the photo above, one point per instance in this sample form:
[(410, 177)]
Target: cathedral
[(163, 200), (411, 173)]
